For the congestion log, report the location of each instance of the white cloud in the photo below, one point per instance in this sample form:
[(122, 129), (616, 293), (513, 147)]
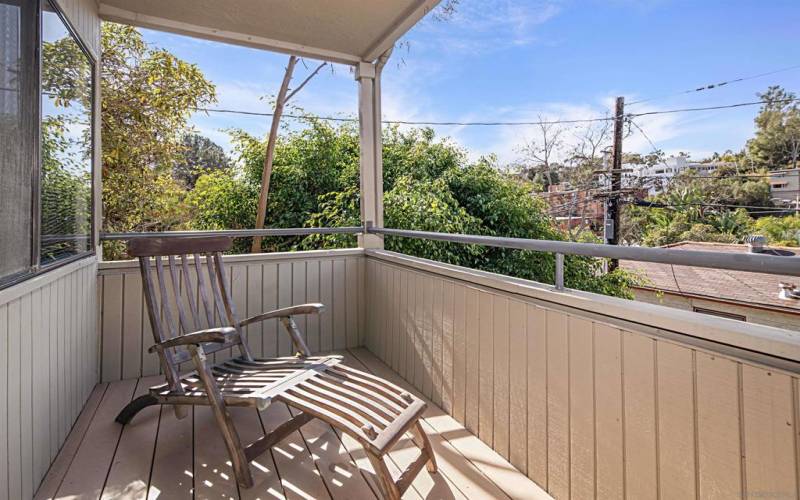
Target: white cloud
[(481, 26)]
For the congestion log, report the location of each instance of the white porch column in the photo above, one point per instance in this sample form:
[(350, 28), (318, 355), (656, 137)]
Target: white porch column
[(371, 161)]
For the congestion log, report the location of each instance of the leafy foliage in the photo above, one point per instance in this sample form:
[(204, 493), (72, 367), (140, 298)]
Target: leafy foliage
[(200, 154), (148, 95), (428, 185), (777, 140)]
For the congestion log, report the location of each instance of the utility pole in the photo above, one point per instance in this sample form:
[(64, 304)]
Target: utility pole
[(612, 203)]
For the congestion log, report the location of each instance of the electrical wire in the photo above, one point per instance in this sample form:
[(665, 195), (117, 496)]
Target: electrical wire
[(501, 123), (715, 85)]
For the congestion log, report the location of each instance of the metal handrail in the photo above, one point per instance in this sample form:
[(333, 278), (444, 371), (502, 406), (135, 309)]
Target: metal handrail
[(234, 233), (753, 262)]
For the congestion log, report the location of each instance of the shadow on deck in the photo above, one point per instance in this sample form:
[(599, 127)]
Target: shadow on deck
[(158, 456)]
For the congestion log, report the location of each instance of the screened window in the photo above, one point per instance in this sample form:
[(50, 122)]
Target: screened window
[(66, 142), (46, 103), (17, 136)]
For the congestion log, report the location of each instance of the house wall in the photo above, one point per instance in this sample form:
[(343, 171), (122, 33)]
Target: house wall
[(48, 345), (593, 396), (260, 283), (753, 314)]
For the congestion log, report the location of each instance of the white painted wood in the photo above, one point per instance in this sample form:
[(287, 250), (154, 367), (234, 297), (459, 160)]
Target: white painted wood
[(585, 406), (259, 285), (48, 352)]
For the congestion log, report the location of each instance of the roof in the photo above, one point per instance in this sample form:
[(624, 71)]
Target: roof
[(718, 284), (345, 31)]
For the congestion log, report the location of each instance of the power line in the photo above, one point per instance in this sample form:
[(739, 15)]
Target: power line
[(716, 85), (498, 123), (656, 204)]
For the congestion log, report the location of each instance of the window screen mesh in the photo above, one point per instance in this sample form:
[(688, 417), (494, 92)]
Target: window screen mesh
[(17, 136), (66, 143)]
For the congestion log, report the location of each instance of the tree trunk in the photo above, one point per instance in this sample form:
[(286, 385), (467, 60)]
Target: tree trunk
[(280, 101)]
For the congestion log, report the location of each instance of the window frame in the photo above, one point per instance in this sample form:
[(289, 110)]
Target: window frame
[(36, 268)]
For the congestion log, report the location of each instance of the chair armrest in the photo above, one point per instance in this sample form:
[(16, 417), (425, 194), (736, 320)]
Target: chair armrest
[(285, 313), (219, 335)]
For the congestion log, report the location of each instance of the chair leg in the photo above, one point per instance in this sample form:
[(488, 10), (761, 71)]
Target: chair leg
[(134, 407), (388, 488), (424, 444)]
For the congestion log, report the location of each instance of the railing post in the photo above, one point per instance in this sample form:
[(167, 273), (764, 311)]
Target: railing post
[(559, 281), (367, 75)]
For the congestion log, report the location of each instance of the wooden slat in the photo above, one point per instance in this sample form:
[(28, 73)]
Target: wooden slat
[(266, 479), (501, 396), (640, 426), (485, 367), (14, 428), (132, 338), (352, 286), (557, 405), (284, 300), (61, 464), (459, 352), (25, 332), (40, 378), (173, 472), (517, 387), (312, 328), (448, 323), (339, 306), (769, 433), (536, 333), (426, 338), (296, 468), (334, 462), (4, 405), (718, 431), (213, 474), (270, 303), (473, 352), (112, 326), (608, 412), (130, 470), (91, 463), (461, 455), (676, 429), (436, 348), (581, 408), (326, 297)]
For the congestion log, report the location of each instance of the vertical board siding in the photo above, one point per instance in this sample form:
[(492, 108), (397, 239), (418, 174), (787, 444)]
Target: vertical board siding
[(584, 408), (48, 354), (257, 286)]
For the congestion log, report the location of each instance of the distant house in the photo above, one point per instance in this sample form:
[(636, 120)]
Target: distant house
[(657, 176), (784, 185), (740, 295), (573, 208)]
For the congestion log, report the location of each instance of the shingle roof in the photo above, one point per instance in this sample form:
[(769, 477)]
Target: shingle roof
[(740, 286)]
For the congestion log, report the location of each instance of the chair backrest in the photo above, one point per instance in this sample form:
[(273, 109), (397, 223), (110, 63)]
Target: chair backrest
[(190, 292)]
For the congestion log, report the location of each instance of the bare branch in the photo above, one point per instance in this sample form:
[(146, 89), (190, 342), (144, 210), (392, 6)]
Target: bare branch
[(303, 84)]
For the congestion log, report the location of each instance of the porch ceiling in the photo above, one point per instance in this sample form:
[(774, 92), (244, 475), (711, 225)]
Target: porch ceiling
[(346, 31)]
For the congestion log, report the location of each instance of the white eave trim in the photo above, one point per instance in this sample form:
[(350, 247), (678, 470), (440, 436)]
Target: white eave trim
[(117, 15), (399, 28)]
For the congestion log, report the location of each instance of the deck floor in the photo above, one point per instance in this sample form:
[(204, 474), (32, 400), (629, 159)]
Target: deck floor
[(158, 456)]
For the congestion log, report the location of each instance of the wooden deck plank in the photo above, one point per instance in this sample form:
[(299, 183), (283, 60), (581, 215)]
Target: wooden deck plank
[(333, 461), (405, 452), (60, 465), (173, 472), (133, 459), (213, 473), (476, 469), (298, 472), (88, 471), (316, 462), (266, 482)]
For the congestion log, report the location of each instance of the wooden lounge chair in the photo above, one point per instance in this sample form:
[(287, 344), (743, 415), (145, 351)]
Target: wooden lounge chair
[(192, 316)]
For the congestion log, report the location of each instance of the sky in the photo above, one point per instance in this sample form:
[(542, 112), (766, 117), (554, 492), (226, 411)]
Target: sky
[(503, 60)]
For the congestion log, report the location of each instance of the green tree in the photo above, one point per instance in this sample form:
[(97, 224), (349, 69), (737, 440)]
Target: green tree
[(148, 95), (200, 154), (782, 231), (777, 140)]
